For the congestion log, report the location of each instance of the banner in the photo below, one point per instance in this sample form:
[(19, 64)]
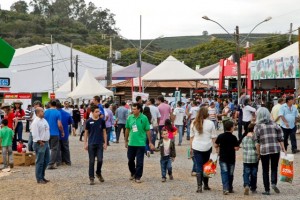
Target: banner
[(144, 96), (281, 68)]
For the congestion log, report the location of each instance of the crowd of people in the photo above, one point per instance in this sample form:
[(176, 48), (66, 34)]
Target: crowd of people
[(154, 126)]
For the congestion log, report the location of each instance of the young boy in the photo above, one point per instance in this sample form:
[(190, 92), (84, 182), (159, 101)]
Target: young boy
[(168, 154), (226, 144), (94, 142), (250, 160), (6, 134)]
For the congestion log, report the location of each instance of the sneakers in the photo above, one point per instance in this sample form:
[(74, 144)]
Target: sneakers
[(171, 177), (246, 192), (225, 192), (231, 191), (100, 177), (163, 180), (47, 181), (275, 189), (41, 182), (11, 165), (148, 154), (266, 193), (132, 177), (138, 180), (295, 151), (52, 167), (92, 182)]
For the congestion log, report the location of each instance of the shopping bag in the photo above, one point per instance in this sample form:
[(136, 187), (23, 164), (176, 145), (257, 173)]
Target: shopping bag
[(286, 167), (210, 167), (113, 137), (175, 133), (189, 153)]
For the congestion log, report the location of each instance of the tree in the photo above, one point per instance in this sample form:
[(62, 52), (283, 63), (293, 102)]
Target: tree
[(41, 7), (205, 33), (19, 6)]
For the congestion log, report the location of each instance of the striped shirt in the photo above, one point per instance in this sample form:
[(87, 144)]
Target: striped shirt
[(268, 136), (28, 114), (249, 150)]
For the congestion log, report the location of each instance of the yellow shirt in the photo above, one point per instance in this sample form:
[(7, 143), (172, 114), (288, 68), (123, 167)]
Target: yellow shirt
[(275, 112)]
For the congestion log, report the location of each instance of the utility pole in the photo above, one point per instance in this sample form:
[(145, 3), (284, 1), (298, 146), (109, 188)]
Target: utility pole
[(298, 60), (291, 33), (52, 66), (140, 57), (238, 63), (109, 60), (76, 69), (71, 74)]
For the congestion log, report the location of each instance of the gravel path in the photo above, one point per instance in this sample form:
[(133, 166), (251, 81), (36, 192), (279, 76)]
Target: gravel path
[(73, 183)]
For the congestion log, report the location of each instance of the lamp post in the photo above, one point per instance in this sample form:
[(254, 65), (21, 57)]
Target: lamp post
[(52, 64), (236, 38)]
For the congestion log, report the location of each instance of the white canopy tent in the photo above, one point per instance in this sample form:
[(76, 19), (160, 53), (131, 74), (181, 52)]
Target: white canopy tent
[(172, 70), (292, 50), (89, 87)]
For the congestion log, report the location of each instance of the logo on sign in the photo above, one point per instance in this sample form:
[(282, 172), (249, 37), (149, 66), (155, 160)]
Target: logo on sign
[(4, 82)]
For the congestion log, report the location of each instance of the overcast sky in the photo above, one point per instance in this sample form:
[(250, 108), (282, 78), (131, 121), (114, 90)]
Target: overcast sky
[(182, 18)]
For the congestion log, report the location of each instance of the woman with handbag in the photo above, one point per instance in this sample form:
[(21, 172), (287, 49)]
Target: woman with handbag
[(203, 136)]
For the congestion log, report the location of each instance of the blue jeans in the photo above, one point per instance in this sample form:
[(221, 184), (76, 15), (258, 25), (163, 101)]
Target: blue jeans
[(153, 135), (108, 131), (201, 157), (30, 142), (19, 130), (136, 169), (227, 171), (166, 164), (42, 159), (194, 164), (250, 175), (188, 128), (180, 132), (95, 150)]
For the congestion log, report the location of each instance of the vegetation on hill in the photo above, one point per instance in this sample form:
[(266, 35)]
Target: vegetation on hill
[(85, 25)]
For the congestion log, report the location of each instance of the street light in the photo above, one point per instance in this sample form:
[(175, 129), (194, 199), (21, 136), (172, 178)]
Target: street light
[(236, 37), (52, 65)]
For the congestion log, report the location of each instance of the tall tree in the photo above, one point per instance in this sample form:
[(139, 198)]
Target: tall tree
[(41, 7), (19, 6)]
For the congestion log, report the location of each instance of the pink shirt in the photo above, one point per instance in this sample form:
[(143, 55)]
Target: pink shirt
[(164, 110)]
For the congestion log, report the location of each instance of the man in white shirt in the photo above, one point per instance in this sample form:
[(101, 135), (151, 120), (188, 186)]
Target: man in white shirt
[(179, 114), (36, 104), (155, 120), (41, 135), (275, 111)]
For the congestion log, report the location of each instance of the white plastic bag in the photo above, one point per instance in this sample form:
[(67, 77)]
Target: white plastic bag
[(286, 167)]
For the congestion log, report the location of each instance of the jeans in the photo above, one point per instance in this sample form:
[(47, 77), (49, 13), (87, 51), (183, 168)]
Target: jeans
[(63, 153), (194, 164), (136, 169), (42, 159), (188, 128), (180, 132), (7, 151), (30, 142), (27, 126), (54, 147), (153, 135), (292, 134), (95, 150), (227, 170), (240, 130), (19, 130), (265, 161), (120, 127), (250, 175), (166, 164), (201, 157), (108, 131)]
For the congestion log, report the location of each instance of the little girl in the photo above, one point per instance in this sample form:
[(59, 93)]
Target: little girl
[(170, 128)]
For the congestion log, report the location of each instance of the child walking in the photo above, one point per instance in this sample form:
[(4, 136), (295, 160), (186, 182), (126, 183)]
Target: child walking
[(6, 134), (250, 161), (95, 139), (168, 154), (170, 128), (226, 144)]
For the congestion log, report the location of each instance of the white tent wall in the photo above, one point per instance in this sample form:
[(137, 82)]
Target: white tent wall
[(30, 70)]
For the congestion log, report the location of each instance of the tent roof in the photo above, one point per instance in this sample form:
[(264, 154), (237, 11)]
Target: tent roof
[(131, 71), (89, 87), (30, 69), (172, 70), (292, 50), (163, 84), (205, 70)]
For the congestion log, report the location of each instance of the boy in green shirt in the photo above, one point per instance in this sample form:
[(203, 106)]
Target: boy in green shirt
[(6, 134)]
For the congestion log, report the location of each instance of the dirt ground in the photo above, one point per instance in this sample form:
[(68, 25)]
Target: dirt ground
[(73, 182)]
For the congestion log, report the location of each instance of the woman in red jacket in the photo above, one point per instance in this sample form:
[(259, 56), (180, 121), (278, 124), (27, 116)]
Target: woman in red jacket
[(19, 115)]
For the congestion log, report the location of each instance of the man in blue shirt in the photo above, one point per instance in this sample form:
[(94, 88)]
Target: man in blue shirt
[(96, 101), (288, 114), (53, 117), (64, 150)]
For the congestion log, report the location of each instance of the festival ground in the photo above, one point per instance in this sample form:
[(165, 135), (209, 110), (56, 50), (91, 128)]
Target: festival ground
[(73, 182)]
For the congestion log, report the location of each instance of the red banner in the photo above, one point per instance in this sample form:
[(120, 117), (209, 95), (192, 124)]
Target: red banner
[(17, 96)]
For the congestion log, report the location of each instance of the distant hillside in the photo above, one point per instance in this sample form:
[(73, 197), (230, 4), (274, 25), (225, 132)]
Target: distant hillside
[(182, 42)]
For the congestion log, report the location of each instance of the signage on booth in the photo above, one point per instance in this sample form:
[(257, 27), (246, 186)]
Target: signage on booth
[(18, 96), (4, 82), (52, 95)]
